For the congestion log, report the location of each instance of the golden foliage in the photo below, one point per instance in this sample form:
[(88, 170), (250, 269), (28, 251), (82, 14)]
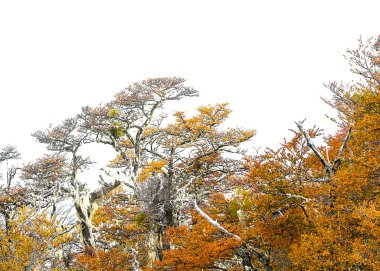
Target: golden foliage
[(32, 239)]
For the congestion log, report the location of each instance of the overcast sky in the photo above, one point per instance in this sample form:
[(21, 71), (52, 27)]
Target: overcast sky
[(268, 59)]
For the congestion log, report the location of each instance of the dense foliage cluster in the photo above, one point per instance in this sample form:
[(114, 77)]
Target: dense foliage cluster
[(182, 194)]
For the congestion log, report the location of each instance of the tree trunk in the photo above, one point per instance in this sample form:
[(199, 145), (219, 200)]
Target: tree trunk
[(155, 246), (84, 211), (243, 254)]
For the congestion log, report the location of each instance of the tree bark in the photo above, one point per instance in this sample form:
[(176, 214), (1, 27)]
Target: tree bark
[(84, 211)]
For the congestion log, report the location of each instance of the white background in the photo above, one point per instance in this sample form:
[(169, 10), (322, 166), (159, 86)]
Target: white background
[(268, 59)]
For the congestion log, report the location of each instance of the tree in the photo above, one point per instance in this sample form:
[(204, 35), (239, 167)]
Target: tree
[(11, 197), (66, 140), (350, 225), (316, 208), (201, 245), (124, 122), (121, 229), (46, 181), (166, 165), (33, 241), (181, 194), (193, 164)]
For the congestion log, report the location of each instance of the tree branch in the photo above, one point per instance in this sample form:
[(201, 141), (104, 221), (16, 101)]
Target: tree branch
[(214, 223), (311, 145), (104, 190), (344, 145)]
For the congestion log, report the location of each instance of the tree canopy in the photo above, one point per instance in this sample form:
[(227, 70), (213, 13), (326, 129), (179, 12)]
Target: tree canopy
[(181, 193)]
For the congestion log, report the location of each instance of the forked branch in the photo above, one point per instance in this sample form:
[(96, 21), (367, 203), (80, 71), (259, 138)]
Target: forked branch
[(330, 169)]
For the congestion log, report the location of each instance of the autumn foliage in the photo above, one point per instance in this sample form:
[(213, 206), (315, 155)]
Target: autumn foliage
[(182, 194), (200, 245)]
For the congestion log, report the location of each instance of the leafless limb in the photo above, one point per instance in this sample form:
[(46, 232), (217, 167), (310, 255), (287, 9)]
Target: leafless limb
[(330, 169), (311, 145), (8, 153), (214, 222)]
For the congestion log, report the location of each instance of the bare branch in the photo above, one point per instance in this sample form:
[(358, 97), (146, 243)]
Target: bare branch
[(214, 223), (8, 153), (293, 196), (104, 190), (311, 145), (346, 138)]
